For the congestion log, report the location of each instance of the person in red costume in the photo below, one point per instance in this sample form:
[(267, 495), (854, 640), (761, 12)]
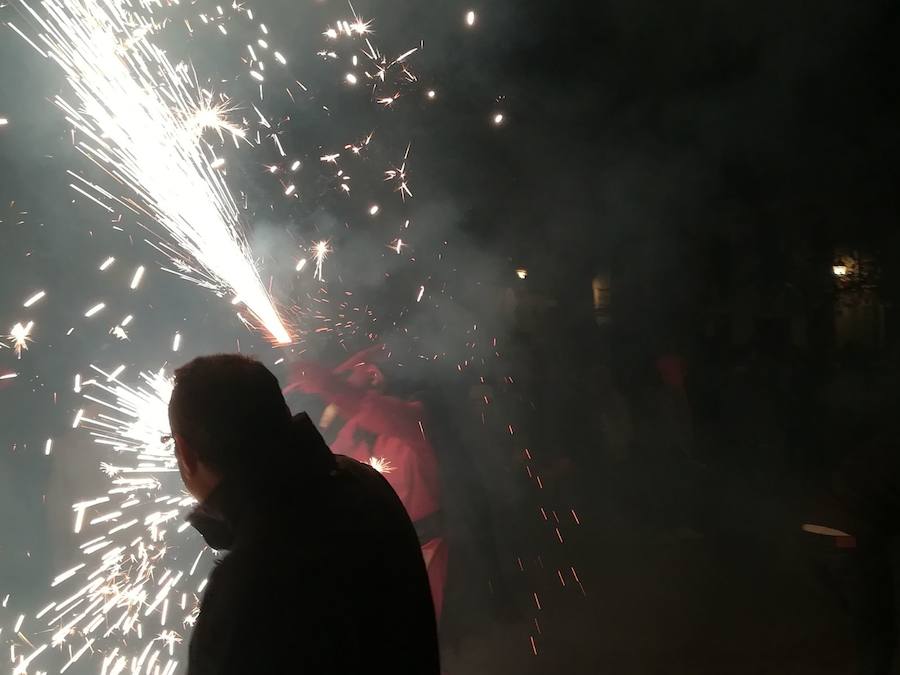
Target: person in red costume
[(388, 433)]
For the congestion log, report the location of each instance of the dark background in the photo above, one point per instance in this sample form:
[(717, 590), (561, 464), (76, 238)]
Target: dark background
[(679, 180)]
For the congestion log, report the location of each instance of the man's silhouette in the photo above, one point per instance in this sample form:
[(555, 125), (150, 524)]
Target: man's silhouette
[(324, 573)]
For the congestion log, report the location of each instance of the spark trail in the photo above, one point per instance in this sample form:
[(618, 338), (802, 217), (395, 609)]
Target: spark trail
[(139, 114)]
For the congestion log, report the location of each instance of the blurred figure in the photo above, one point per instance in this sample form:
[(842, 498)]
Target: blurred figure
[(323, 573), (387, 433)]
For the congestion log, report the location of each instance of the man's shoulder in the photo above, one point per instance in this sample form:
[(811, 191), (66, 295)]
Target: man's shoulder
[(363, 489)]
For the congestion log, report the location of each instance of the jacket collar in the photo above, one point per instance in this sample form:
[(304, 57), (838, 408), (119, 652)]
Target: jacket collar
[(307, 463)]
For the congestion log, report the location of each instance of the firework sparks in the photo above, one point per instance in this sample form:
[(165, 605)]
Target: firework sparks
[(99, 307), (381, 464), (140, 117), (37, 297), (20, 336), (124, 578), (320, 253), (209, 116), (136, 279)]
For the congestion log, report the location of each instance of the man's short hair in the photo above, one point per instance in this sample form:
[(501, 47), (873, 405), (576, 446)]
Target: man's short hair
[(230, 408)]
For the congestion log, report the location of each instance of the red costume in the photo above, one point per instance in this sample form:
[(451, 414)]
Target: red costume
[(386, 432)]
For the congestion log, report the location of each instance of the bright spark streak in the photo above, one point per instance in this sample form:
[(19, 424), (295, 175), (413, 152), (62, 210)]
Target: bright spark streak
[(176, 342), (34, 298), (106, 263), (320, 252), (48, 446), (470, 18), (8, 376), (3, 121), (295, 165), (432, 93), (136, 279), (421, 293), (374, 209), (135, 107), (93, 310), (300, 264), (498, 119)]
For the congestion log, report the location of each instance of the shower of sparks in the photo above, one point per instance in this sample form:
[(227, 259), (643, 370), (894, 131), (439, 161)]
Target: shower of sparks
[(320, 252), (381, 464), (124, 584), (139, 116), (20, 336)]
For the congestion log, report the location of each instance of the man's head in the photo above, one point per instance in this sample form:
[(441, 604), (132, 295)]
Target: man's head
[(228, 416)]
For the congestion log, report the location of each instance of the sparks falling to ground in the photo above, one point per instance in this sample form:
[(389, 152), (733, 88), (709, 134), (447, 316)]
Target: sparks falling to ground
[(139, 116)]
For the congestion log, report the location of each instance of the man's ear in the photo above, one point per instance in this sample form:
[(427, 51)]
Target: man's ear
[(187, 458)]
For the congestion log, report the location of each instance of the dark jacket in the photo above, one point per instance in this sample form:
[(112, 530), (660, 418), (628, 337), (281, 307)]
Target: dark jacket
[(324, 574)]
